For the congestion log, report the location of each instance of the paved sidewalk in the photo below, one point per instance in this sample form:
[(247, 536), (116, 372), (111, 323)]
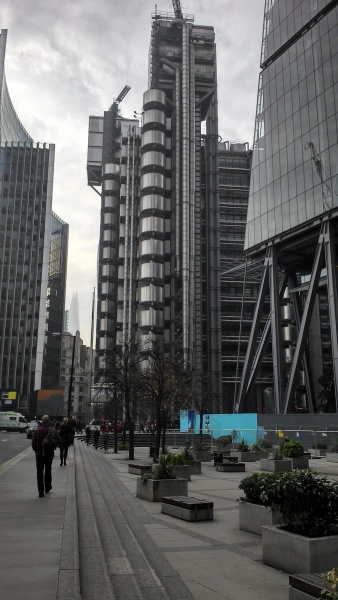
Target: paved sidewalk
[(39, 536), (36, 534)]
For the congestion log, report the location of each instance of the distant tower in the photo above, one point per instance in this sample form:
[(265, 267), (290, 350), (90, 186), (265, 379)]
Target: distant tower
[(74, 321)]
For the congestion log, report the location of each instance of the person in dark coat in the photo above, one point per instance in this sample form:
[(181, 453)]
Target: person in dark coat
[(66, 435), (72, 424), (44, 458), (96, 437), (88, 434), (105, 440)]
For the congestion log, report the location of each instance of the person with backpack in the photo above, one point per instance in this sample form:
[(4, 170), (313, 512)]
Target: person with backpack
[(66, 435), (45, 441)]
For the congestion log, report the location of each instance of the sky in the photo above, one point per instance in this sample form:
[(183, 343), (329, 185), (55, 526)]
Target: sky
[(66, 60)]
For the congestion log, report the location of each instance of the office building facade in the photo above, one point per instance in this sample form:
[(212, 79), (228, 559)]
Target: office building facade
[(159, 246), (292, 212), (26, 182), (56, 296)]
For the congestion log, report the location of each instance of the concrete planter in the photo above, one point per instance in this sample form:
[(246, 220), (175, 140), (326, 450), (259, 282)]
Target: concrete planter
[(244, 456), (262, 454), (274, 466), (298, 554), (182, 471), (300, 462), (203, 455), (195, 467), (153, 490), (332, 456), (315, 453), (252, 517)]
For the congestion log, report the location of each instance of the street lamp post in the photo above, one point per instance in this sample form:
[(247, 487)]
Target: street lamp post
[(69, 403)]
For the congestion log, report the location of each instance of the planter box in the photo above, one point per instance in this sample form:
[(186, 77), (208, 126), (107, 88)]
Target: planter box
[(182, 471), (154, 489), (274, 466), (332, 456), (195, 467), (252, 517), (315, 453), (139, 469), (262, 454), (244, 456), (228, 467), (300, 462), (188, 509), (203, 455), (298, 554)]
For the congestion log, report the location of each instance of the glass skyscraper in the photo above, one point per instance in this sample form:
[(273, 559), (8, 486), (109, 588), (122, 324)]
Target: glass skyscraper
[(293, 203), (26, 182)]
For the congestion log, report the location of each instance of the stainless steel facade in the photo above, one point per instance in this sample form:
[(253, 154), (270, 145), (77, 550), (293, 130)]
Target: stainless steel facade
[(292, 213), (26, 182), (166, 233)]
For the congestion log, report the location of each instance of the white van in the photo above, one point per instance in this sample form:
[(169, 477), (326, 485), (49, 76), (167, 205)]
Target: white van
[(12, 421)]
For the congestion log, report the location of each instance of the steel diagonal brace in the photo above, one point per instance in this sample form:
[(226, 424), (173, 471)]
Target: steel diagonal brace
[(264, 340), (304, 326), (331, 267), (250, 353), (306, 362)]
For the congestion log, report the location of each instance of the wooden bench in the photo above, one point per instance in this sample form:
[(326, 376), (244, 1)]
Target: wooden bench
[(231, 467), (139, 469), (187, 508), (306, 587)]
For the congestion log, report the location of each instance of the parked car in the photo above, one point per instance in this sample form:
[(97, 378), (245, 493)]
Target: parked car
[(33, 425)]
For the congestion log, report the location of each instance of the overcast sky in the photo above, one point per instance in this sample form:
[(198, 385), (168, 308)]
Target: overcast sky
[(68, 59)]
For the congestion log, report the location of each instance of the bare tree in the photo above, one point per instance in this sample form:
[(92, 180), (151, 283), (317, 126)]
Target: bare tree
[(123, 373), (163, 379)]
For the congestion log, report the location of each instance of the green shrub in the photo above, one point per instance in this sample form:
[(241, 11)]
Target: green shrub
[(122, 446), (277, 453), (163, 468), (292, 449), (176, 459), (200, 447), (263, 444), (308, 502), (187, 453), (223, 440), (243, 446)]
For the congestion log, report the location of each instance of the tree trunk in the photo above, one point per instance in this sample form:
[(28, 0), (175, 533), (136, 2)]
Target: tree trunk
[(158, 432), (201, 425)]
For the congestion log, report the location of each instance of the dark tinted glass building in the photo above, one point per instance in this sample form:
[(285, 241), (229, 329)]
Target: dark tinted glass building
[(292, 212)]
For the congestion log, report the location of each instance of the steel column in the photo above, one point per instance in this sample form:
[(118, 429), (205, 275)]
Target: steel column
[(304, 326), (331, 267)]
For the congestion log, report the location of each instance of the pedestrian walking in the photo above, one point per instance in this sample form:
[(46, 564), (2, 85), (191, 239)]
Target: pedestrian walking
[(73, 429), (66, 435), (105, 440), (88, 434), (96, 437), (45, 440)]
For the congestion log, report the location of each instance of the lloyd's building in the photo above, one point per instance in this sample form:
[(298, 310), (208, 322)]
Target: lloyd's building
[(33, 243), (292, 223), (158, 264)]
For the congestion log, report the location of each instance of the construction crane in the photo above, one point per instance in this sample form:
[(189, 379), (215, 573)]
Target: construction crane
[(120, 97), (177, 9)]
